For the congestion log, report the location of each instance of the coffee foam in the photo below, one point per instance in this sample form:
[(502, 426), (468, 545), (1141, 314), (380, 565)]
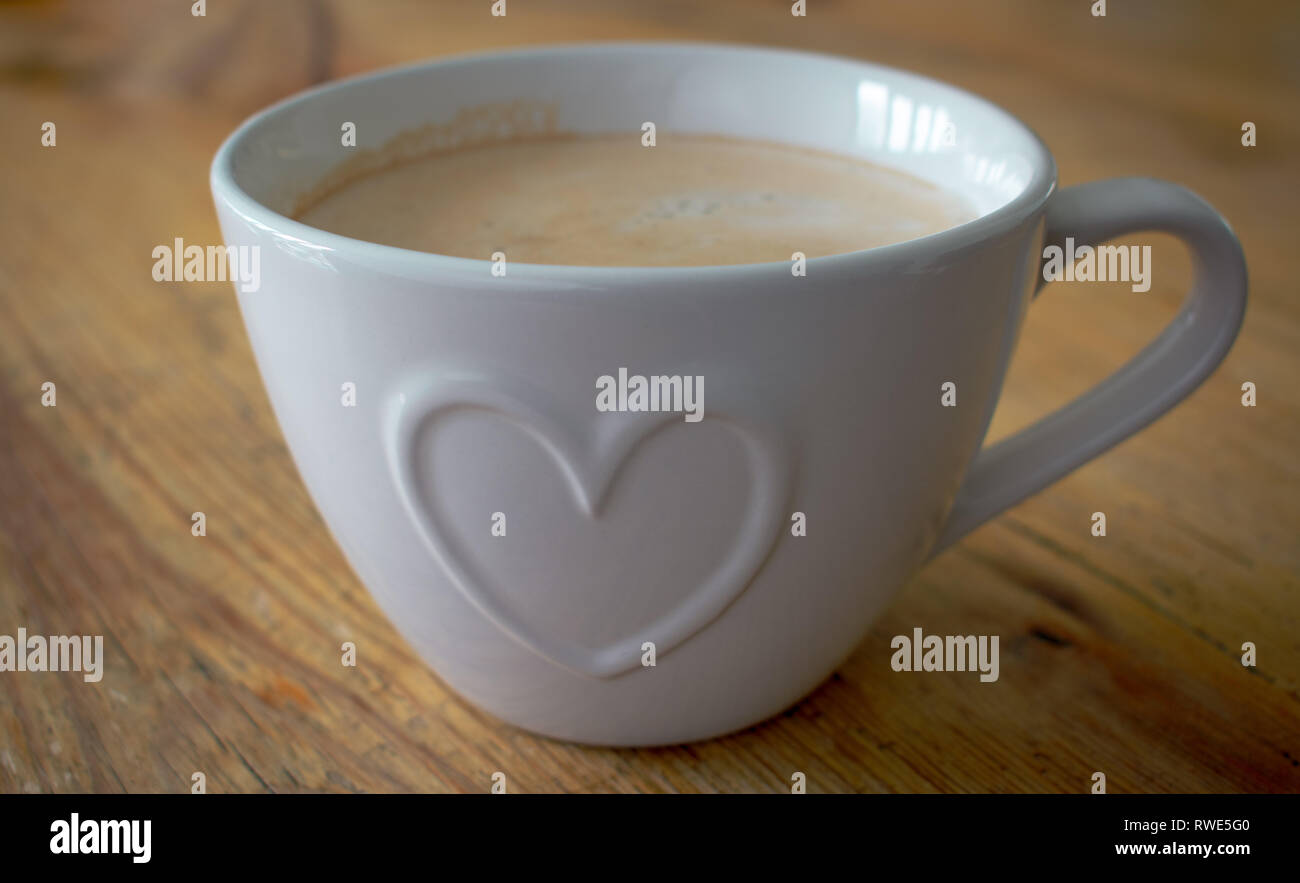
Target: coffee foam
[(480, 188), (471, 127)]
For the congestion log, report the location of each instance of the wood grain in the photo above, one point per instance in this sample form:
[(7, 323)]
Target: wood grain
[(1120, 654)]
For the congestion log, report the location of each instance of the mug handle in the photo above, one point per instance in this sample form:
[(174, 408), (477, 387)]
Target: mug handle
[(1153, 381)]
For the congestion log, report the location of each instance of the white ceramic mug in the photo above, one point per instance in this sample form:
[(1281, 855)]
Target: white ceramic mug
[(475, 393)]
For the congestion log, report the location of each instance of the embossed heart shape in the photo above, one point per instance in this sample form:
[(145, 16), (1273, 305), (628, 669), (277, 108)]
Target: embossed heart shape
[(592, 463)]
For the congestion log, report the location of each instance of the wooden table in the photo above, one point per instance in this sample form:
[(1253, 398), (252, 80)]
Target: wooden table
[(1120, 654)]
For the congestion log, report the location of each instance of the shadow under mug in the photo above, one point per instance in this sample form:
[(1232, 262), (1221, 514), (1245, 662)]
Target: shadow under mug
[(635, 578)]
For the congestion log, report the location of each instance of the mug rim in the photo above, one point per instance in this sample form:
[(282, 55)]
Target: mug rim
[(410, 262)]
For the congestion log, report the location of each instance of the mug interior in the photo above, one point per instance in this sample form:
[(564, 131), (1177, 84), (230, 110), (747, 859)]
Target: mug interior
[(936, 132)]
